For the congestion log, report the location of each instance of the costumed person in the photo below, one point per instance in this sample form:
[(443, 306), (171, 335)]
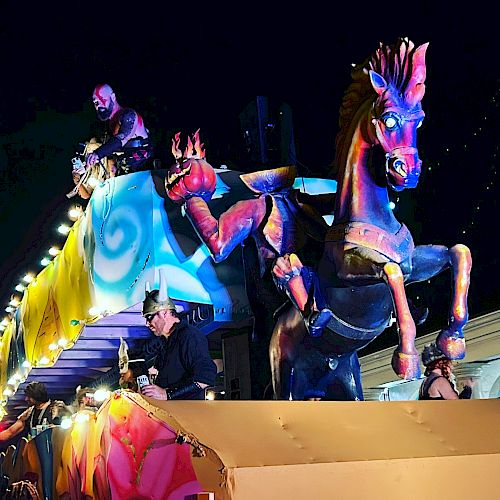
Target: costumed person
[(440, 381), (41, 409), (184, 365), (277, 220), (129, 139)]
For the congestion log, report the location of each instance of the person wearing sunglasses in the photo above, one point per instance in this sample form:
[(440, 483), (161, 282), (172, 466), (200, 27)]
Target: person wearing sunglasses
[(184, 366)]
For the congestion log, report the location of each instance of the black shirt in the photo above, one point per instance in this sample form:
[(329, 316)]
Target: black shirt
[(184, 358)]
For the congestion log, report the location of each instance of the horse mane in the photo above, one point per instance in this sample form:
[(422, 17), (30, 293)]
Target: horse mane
[(394, 63)]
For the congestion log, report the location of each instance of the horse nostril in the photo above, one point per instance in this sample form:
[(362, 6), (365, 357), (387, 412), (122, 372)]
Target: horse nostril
[(400, 167)]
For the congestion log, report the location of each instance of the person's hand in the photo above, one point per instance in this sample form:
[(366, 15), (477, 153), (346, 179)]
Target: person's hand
[(154, 391), (58, 408), (471, 382), (91, 159)]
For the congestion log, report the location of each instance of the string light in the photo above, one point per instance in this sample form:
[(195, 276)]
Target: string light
[(20, 288), (45, 261), (14, 302), (28, 278), (75, 212), (54, 251), (64, 229)]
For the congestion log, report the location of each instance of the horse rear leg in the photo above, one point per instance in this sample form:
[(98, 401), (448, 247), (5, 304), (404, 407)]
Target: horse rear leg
[(288, 332), (405, 360), (451, 341)]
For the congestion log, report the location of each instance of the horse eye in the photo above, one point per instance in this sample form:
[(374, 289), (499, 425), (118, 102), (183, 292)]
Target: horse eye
[(390, 122)]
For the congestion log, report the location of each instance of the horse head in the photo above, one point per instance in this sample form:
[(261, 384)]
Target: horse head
[(397, 74)]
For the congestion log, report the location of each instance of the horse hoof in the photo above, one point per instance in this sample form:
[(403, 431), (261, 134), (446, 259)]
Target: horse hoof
[(406, 366), (318, 321), (451, 344)]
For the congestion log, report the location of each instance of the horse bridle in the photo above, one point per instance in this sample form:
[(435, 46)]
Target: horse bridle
[(399, 150)]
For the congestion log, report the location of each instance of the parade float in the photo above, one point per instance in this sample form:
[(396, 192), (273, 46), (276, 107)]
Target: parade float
[(189, 222)]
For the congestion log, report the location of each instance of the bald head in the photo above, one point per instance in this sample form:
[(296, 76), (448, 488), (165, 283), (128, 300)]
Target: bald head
[(104, 100)]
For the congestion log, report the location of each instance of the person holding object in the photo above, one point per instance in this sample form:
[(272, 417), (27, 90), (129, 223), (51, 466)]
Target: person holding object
[(184, 366), (440, 381), (129, 137)]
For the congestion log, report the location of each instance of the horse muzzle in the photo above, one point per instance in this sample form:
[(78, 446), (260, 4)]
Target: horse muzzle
[(403, 168)]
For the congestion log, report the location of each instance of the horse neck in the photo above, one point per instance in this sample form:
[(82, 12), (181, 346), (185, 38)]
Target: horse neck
[(359, 197)]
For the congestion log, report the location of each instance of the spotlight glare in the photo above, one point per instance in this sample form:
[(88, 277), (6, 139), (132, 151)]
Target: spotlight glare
[(81, 418), (66, 423), (101, 395)]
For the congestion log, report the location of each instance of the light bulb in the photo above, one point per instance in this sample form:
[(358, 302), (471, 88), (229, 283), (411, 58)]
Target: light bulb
[(75, 212), (64, 229), (53, 251), (66, 423), (101, 395), (62, 342)]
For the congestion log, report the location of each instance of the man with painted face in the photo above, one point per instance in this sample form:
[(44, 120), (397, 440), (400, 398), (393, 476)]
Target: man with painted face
[(184, 365), (129, 140)]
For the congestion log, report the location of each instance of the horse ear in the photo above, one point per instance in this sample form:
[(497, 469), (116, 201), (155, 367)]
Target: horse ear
[(418, 62), (415, 94), (378, 82)]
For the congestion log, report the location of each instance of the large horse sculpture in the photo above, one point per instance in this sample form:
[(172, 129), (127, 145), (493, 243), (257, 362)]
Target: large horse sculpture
[(369, 256)]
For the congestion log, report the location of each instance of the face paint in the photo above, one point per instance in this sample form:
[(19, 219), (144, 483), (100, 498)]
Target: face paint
[(103, 101)]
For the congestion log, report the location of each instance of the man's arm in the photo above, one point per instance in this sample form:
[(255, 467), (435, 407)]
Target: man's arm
[(125, 132), (443, 386), (12, 431)]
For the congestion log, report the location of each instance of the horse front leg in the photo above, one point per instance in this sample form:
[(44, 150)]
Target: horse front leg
[(451, 341), (405, 360), (429, 260)]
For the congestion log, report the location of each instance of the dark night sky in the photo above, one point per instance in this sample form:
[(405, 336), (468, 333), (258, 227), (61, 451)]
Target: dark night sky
[(185, 69)]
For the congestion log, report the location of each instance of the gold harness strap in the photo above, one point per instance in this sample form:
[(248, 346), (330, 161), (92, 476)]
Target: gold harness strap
[(396, 247)]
